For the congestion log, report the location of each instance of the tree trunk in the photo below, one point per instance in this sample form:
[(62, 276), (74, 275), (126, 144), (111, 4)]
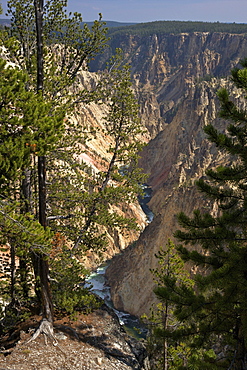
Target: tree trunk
[(239, 361), (26, 192), (24, 276), (39, 9), (41, 267), (26, 207), (165, 348), (42, 190), (12, 273)]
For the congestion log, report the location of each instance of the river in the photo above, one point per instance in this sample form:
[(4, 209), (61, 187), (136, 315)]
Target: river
[(97, 281)]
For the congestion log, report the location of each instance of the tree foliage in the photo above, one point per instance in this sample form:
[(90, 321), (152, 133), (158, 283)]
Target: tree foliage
[(91, 197), (68, 46), (169, 344), (37, 92)]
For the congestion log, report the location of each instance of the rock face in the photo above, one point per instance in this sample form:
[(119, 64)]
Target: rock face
[(177, 93), (165, 66)]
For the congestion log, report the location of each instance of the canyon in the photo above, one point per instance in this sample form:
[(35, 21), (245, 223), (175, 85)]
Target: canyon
[(176, 78)]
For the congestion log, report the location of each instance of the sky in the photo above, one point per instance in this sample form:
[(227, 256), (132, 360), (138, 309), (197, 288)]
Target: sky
[(155, 10)]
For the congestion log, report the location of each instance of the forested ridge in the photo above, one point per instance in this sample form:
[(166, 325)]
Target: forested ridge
[(176, 27), (150, 28)]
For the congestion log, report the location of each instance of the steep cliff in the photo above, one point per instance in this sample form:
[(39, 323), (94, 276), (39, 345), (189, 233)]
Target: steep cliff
[(177, 93), (165, 66)]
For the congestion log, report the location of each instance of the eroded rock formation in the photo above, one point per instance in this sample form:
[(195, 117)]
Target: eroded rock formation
[(173, 75)]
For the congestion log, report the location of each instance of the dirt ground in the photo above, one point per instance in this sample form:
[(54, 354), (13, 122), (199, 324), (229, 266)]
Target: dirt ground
[(91, 342)]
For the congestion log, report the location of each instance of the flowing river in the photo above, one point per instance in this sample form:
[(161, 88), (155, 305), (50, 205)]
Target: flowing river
[(131, 324), (97, 281)]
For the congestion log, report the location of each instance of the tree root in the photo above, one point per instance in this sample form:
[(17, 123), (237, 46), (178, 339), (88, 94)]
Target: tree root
[(46, 328)]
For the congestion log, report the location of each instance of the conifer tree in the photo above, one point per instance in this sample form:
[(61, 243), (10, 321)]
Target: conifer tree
[(168, 345), (87, 202), (51, 49), (215, 311), (27, 123), (121, 181), (36, 29)]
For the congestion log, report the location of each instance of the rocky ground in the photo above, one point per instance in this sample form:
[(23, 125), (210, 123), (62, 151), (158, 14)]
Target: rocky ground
[(91, 342)]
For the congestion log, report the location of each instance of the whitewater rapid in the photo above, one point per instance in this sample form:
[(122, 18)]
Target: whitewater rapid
[(97, 284)]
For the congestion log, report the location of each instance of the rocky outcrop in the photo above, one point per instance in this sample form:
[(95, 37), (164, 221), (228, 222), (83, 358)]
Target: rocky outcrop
[(173, 73), (93, 342)]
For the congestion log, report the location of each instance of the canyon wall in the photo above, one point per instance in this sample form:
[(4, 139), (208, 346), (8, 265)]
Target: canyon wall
[(165, 67), (176, 78)]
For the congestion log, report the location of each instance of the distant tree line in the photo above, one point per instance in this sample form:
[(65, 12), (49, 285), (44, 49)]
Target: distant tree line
[(176, 27)]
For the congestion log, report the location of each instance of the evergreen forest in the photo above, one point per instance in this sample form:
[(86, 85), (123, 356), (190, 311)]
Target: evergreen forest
[(176, 27)]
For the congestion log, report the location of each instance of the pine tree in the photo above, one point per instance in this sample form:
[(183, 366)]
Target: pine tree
[(68, 46), (90, 204), (168, 344), (215, 313), (120, 182), (33, 36), (52, 49), (29, 126)]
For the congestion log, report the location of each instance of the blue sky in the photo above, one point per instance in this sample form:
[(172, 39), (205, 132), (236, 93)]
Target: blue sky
[(153, 10)]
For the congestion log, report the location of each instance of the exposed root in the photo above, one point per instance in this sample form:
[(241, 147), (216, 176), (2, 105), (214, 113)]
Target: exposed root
[(46, 328)]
